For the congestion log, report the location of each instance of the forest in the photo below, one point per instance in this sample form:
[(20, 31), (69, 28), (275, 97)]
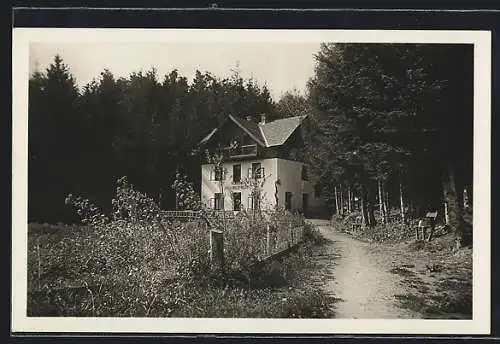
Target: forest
[(391, 127)]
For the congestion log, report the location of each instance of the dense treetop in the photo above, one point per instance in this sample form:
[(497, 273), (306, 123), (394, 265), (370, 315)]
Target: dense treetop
[(397, 117)]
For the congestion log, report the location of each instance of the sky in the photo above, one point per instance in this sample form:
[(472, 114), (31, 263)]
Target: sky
[(282, 66)]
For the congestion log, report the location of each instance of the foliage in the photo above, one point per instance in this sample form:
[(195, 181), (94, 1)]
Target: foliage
[(138, 262), (313, 235), (142, 126), (293, 103), (383, 114), (187, 198)]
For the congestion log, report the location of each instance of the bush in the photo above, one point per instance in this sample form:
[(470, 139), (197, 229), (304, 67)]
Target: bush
[(138, 262), (312, 235)]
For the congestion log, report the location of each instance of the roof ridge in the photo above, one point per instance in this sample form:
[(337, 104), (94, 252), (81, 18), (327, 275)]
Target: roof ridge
[(263, 135), (238, 123), (286, 118)]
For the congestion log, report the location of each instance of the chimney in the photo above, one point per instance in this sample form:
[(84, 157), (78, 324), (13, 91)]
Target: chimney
[(262, 118), (249, 118)]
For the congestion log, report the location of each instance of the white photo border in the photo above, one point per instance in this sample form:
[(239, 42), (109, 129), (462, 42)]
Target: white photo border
[(480, 323)]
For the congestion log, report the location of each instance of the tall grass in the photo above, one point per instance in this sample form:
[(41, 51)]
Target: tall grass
[(136, 262)]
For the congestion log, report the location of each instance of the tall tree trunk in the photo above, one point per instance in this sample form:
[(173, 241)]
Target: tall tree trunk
[(364, 212), (336, 200), (385, 194), (455, 220), (381, 201), (341, 200), (349, 198), (372, 221), (401, 199), (446, 216)]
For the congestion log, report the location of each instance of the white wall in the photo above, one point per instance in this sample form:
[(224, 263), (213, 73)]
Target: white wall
[(290, 176), (210, 187), (287, 171)]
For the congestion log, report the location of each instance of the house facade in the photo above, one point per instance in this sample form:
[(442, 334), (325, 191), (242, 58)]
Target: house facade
[(260, 167)]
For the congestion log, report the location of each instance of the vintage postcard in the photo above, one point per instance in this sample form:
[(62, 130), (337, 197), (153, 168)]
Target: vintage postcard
[(251, 181)]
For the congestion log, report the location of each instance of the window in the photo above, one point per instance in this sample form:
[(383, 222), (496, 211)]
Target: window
[(236, 201), (257, 171), (236, 173), (218, 201), (304, 172), (253, 202), (317, 191), (218, 173), (288, 200)]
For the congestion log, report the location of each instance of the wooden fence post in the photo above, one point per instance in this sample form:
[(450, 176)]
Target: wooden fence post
[(269, 247), (417, 229), (217, 249)]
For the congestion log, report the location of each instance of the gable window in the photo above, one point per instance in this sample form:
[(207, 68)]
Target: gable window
[(236, 201), (304, 173), (288, 200), (236, 173), (218, 201)]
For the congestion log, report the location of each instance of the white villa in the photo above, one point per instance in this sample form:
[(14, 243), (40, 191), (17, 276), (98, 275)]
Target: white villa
[(258, 152)]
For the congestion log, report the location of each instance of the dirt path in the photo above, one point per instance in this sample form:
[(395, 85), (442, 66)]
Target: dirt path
[(359, 277)]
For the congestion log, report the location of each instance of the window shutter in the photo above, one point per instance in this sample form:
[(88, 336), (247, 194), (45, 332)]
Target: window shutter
[(250, 173), (223, 173), (261, 175), (212, 175)]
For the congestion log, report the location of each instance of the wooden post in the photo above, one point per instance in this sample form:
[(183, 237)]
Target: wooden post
[(217, 250), (420, 224), (432, 219)]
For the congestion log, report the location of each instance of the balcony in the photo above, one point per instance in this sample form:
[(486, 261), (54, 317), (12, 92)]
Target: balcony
[(241, 151)]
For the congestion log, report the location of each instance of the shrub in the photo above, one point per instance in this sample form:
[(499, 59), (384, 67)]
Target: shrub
[(313, 235), (138, 262)]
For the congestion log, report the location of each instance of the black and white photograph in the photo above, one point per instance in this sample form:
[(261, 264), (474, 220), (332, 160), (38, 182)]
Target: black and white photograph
[(251, 180)]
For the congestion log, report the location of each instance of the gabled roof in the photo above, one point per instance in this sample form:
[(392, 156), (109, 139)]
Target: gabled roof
[(269, 134), (278, 131), (251, 128)]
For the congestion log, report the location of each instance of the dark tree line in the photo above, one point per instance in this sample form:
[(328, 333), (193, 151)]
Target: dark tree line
[(143, 126), (392, 126)]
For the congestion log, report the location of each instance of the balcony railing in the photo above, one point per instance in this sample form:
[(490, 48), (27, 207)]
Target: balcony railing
[(240, 151)]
